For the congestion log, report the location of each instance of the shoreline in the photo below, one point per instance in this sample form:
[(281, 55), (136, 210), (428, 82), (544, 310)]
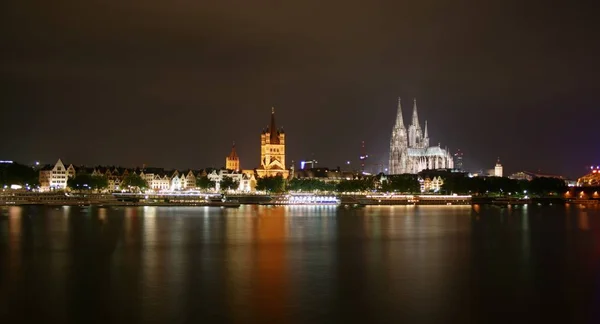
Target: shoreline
[(110, 200)]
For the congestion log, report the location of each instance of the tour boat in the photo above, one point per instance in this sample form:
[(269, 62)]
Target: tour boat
[(300, 199)]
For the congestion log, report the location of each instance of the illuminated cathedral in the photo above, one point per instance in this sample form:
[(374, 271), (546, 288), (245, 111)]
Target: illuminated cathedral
[(409, 148)]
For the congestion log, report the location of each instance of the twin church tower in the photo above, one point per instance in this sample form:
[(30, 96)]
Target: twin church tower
[(409, 149)]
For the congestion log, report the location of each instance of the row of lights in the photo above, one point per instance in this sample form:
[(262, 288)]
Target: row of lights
[(582, 194)]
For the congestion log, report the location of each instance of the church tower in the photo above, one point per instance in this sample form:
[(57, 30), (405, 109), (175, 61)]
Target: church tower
[(272, 151), (232, 162), (426, 137), (498, 169), (398, 145), (415, 135)]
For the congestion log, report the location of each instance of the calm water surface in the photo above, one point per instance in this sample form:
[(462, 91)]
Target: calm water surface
[(300, 264)]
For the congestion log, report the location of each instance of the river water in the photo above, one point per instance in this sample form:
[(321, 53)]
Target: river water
[(258, 264)]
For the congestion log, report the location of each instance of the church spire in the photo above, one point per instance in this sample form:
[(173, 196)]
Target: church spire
[(399, 119), (426, 133), (274, 137), (233, 154), (415, 116)]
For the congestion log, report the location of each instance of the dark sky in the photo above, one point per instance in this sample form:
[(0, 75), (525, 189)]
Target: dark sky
[(173, 83)]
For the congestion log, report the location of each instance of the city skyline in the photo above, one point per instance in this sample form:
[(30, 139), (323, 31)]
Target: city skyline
[(174, 85)]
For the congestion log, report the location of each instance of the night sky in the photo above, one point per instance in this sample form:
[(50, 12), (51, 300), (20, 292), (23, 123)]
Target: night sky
[(173, 83)]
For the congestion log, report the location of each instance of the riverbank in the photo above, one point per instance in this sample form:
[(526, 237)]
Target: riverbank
[(216, 200)]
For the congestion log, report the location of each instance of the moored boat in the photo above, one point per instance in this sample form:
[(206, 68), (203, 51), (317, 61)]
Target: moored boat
[(303, 199)]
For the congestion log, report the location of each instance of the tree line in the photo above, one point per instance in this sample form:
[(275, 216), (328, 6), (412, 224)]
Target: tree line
[(18, 174), (501, 185), (459, 183), (407, 183)]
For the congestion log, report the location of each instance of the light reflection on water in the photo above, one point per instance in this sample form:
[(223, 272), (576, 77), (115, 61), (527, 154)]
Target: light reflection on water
[(299, 264)]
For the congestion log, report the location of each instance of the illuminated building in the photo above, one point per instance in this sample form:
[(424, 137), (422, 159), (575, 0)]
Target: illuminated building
[(409, 149), (272, 151), (246, 180), (526, 175), (190, 180), (498, 169), (458, 160), (591, 179), (232, 162), (434, 184), (55, 178), (182, 181), (177, 181), (160, 182)]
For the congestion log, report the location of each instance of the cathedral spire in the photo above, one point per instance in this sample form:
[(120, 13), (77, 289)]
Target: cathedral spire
[(399, 119), (426, 133), (415, 116)]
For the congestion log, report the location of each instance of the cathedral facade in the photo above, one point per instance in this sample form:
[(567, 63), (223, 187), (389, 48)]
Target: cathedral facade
[(409, 148), (272, 151)]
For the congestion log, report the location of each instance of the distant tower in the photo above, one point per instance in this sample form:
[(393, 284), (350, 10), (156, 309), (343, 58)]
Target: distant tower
[(458, 160), (498, 169), (426, 137), (363, 156), (232, 162), (415, 134), (272, 151), (398, 145)]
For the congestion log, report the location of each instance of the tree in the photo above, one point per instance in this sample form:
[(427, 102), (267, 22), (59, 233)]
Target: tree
[(356, 185), (18, 174), (271, 184), (228, 183), (134, 181), (99, 182), (401, 183), (203, 182), (84, 181), (545, 186), (310, 185)]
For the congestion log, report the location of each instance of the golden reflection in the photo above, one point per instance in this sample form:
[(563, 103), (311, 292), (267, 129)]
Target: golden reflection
[(152, 257), (14, 229), (15, 224), (131, 226), (270, 267), (583, 220), (102, 215), (239, 229)]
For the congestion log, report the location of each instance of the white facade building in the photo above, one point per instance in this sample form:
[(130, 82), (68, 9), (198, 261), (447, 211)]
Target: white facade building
[(177, 181), (247, 183), (498, 170), (56, 178), (159, 182)]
